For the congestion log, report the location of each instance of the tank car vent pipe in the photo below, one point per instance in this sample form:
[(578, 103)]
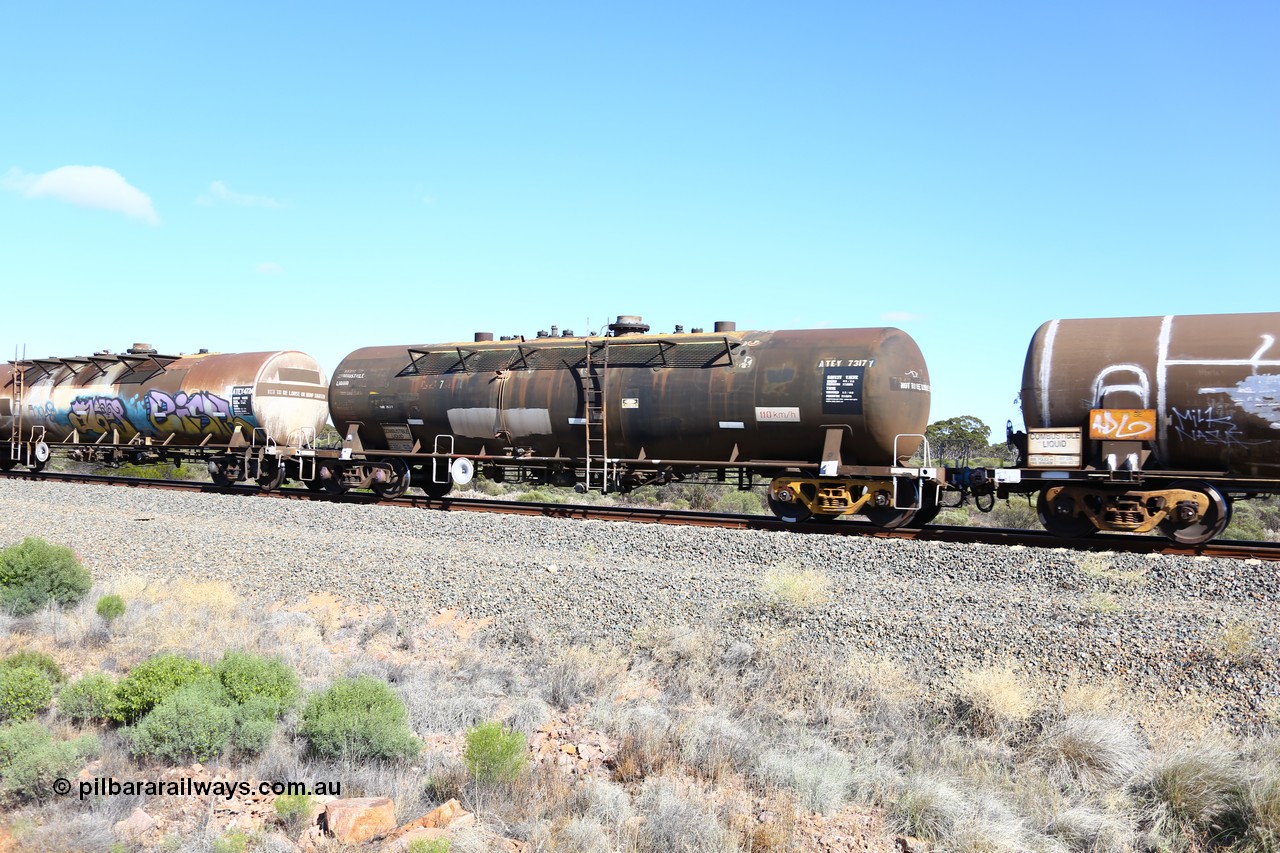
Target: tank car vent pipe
[(483, 336), (696, 330), (629, 324), (542, 333), (726, 326), (555, 331), (567, 333), (679, 330)]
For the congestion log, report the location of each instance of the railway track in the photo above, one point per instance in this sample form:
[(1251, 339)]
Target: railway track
[(1268, 551)]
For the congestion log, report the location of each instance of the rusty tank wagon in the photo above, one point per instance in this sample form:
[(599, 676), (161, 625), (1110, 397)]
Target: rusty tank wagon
[(1149, 423), (832, 415), (246, 415)]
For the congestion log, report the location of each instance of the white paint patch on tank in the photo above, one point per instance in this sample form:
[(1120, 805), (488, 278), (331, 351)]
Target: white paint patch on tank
[(485, 422), (1046, 371), (474, 423), (1259, 395)]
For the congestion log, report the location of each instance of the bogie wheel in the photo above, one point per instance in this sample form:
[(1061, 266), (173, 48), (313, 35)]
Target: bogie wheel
[(270, 475), (397, 484), (315, 484), (1212, 522), (929, 507), (1061, 524), (434, 489), (218, 474), (791, 512), (330, 479), (890, 517)]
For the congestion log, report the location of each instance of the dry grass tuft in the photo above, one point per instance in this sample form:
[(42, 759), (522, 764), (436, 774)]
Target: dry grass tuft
[(1236, 643), (1197, 787), (1098, 751), (789, 589), (993, 699), (1098, 566)]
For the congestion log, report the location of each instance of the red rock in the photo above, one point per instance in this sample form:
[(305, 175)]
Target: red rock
[(451, 814), (422, 833), (134, 825), (360, 819)]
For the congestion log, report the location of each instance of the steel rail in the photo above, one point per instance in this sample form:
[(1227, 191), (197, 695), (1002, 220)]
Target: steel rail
[(958, 534)]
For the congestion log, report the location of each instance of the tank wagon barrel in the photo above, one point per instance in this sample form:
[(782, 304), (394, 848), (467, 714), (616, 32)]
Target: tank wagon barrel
[(248, 415), (835, 413), (1149, 423)]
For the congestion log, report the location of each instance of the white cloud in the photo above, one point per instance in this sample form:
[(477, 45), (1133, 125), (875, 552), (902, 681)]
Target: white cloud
[(269, 268), (86, 186), (900, 317), (219, 191)]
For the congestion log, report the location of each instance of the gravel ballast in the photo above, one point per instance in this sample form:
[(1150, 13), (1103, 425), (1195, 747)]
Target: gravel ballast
[(1152, 623)]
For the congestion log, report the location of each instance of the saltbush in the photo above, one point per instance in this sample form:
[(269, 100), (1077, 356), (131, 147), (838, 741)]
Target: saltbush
[(358, 719), (24, 692), (91, 699), (294, 811), (30, 760), (268, 681), (34, 573), (153, 680), (110, 607), (194, 722), (39, 660), (493, 753)]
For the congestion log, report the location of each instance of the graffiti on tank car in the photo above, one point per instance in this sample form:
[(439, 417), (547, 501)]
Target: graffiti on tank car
[(98, 414), (1208, 425), (1122, 425), (1259, 395), (197, 413)]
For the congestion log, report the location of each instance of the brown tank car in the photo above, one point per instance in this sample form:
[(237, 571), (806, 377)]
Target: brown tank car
[(1143, 423), (631, 408), (246, 414)]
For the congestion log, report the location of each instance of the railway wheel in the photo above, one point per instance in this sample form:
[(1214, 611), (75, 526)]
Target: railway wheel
[(330, 479), (270, 475), (1211, 523), (1058, 516), (434, 489), (789, 511), (218, 474), (397, 482), (889, 518)]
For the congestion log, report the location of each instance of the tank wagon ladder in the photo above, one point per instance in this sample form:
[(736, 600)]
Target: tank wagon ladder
[(19, 392), (593, 375)]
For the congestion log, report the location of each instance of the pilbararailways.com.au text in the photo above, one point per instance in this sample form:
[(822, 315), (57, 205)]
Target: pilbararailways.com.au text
[(188, 787)]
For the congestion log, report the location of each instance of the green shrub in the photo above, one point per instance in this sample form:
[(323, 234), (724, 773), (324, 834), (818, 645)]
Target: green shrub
[(110, 607), (39, 660), (267, 681), (493, 753), (151, 681), (294, 811), (435, 845), (195, 722), (34, 573), (92, 698), (24, 692), (235, 841), (30, 760), (358, 719)]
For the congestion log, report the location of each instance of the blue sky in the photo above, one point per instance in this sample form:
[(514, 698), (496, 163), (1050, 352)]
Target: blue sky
[(322, 176)]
